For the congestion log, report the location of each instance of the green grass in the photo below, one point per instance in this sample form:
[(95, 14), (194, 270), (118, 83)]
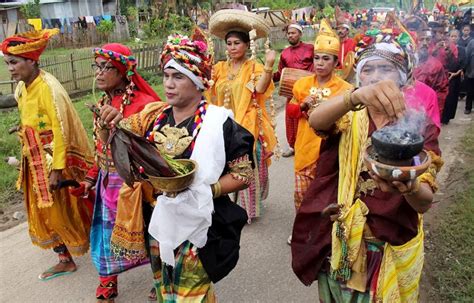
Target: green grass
[(451, 261), (10, 146)]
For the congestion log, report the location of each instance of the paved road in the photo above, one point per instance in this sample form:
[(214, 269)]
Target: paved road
[(262, 275)]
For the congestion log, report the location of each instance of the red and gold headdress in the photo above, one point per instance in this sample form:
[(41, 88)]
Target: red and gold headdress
[(189, 56), (28, 45)]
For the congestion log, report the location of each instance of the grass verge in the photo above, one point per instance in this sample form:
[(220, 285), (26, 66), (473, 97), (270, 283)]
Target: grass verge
[(450, 261)]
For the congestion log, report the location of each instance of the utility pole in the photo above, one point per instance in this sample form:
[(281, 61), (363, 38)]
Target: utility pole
[(117, 7)]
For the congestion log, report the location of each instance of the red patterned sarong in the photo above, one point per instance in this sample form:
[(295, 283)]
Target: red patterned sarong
[(291, 126)]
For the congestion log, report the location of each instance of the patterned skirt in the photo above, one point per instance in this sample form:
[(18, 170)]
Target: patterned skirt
[(331, 290), (186, 282), (251, 198), (303, 179), (103, 221)]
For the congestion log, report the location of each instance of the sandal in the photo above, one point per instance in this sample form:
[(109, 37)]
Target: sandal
[(52, 273), (152, 297), (107, 290)]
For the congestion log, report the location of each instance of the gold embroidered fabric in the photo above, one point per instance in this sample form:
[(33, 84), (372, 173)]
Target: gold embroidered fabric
[(429, 176), (241, 169), (172, 141)]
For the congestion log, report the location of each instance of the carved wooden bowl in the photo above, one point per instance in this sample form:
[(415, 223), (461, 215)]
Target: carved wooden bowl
[(394, 172)]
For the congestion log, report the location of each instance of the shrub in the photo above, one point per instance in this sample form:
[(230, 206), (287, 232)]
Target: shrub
[(31, 10)]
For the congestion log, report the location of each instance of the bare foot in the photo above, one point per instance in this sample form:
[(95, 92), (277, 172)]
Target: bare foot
[(60, 269)]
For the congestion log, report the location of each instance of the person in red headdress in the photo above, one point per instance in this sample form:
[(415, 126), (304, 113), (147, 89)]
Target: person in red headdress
[(115, 245), (194, 234), (54, 150)]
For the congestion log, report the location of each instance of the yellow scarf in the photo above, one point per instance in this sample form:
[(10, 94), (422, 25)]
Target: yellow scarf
[(128, 235), (401, 266)]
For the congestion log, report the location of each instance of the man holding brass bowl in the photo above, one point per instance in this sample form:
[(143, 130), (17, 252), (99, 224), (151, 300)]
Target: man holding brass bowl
[(195, 227), (359, 235)]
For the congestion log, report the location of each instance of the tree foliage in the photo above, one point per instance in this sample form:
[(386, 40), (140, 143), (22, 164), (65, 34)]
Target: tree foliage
[(162, 27), (106, 27), (294, 4), (31, 9)]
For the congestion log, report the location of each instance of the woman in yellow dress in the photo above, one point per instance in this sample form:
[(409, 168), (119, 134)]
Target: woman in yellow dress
[(244, 86), (308, 92)]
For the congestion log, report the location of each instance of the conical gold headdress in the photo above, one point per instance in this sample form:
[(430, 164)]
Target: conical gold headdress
[(327, 40)]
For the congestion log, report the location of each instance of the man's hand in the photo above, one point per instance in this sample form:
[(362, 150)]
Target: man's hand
[(395, 186), (385, 96), (110, 115), (87, 188), (55, 177), (332, 211)]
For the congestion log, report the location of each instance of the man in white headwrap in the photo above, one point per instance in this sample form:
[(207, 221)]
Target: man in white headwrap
[(298, 55)]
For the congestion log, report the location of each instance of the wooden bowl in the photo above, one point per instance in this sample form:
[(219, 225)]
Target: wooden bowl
[(392, 172), (175, 184)]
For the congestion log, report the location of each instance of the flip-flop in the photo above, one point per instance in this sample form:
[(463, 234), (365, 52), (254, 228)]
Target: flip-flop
[(54, 275), (152, 296)]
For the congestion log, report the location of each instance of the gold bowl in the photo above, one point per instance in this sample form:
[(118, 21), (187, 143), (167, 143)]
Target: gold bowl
[(175, 184)]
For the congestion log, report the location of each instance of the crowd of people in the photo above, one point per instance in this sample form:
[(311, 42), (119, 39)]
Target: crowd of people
[(358, 235)]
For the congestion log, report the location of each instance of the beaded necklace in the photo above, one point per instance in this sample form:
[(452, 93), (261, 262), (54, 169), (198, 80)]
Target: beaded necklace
[(230, 77), (106, 100), (197, 122)]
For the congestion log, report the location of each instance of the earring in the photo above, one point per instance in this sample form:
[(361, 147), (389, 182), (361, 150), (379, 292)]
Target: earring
[(227, 55)]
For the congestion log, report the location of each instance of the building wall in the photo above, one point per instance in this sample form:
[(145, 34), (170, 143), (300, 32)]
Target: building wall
[(77, 8)]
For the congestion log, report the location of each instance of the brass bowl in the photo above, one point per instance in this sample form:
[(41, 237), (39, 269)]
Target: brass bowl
[(395, 172), (175, 184)]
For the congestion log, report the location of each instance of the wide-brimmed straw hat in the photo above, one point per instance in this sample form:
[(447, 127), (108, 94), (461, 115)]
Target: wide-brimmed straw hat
[(227, 20)]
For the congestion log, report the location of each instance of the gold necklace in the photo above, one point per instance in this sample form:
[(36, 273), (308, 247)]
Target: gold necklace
[(230, 77)]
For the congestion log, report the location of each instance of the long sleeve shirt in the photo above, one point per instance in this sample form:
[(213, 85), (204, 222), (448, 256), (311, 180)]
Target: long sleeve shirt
[(37, 110), (470, 59), (299, 56), (432, 73), (348, 45)]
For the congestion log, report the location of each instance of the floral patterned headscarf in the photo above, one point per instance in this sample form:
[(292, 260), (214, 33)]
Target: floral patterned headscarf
[(391, 44)]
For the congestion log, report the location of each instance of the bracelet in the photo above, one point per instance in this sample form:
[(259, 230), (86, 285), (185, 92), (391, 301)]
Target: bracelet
[(268, 69), (348, 101), (312, 108), (216, 190)]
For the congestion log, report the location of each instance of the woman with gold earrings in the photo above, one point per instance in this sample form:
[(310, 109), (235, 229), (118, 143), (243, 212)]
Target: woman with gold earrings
[(244, 86), (308, 93)]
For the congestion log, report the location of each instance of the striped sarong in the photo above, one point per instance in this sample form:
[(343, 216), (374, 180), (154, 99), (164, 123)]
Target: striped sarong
[(105, 211), (251, 198), (186, 282)]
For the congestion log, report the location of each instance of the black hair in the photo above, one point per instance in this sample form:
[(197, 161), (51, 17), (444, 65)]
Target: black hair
[(15, 43), (240, 35)]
